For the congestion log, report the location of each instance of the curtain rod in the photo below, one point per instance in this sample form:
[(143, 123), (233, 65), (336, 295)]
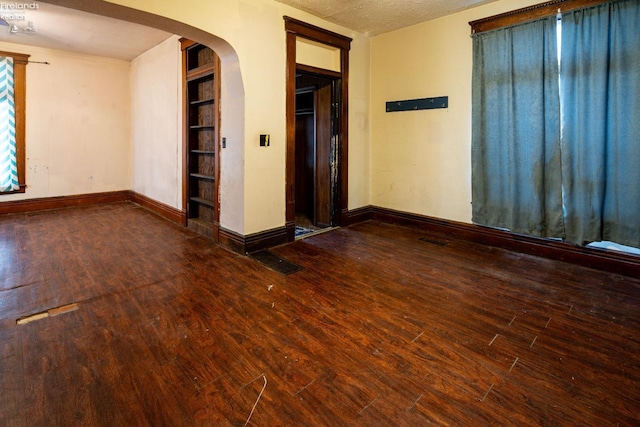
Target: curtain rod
[(529, 13)]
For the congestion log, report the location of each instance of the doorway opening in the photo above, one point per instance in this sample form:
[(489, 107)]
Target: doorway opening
[(317, 145), (322, 169)]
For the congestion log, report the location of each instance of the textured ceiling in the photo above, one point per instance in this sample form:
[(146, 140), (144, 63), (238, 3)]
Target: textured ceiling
[(373, 17), (63, 28), (72, 30)]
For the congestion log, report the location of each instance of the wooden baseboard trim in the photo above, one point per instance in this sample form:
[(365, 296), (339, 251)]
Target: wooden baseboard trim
[(77, 200), (253, 242), (600, 259), (232, 240), (167, 212), (360, 214), (61, 202), (290, 227), (345, 218), (266, 239)]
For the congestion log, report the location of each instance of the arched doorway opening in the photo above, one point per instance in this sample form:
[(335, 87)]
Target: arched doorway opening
[(232, 121)]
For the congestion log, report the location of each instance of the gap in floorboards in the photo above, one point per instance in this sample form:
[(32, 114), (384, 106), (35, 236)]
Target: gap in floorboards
[(275, 262), (431, 241)]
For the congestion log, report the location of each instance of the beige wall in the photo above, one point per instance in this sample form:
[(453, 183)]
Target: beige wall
[(359, 123), (253, 177), (78, 124), (318, 55), (415, 161), (156, 119), (420, 160)]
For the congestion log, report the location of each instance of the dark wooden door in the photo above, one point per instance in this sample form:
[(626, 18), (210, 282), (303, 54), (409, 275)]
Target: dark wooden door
[(305, 160), (322, 205), (316, 177)]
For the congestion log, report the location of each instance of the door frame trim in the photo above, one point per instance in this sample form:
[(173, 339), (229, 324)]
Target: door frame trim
[(294, 29)]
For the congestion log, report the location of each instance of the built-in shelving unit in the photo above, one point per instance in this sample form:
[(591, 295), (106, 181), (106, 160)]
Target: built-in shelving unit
[(201, 137)]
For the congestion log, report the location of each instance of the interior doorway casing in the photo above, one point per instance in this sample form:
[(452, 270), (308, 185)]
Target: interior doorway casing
[(232, 117), (295, 29)]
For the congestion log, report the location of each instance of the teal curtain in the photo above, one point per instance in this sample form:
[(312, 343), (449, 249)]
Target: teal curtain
[(8, 162), (601, 123), (516, 169)]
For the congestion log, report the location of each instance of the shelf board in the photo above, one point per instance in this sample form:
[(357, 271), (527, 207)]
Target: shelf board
[(196, 127), (206, 228), (211, 152), (201, 221), (202, 101), (206, 70), (203, 201), (202, 176)]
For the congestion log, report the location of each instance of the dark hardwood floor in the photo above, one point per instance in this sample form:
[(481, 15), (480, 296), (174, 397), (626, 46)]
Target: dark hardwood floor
[(379, 328)]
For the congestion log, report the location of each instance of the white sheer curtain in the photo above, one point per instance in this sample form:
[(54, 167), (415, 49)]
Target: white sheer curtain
[(8, 162)]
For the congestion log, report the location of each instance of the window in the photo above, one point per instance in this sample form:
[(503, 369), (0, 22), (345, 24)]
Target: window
[(556, 152), (12, 122)]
